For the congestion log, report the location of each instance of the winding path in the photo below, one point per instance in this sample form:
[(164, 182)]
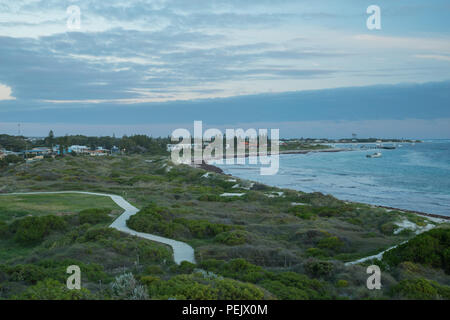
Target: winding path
[(380, 255), (181, 251)]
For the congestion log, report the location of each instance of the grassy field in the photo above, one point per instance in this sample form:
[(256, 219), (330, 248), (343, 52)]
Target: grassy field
[(17, 206)]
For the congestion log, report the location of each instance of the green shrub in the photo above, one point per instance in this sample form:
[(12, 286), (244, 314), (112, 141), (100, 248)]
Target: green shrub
[(31, 230), (420, 289), (202, 229), (237, 269), (308, 212), (99, 234), (431, 248), (388, 228), (94, 216), (154, 270), (51, 289), (319, 268), (315, 252), (149, 280), (332, 243), (159, 220), (186, 267), (182, 287), (355, 221), (342, 283), (153, 219), (294, 286), (232, 238), (228, 289), (191, 287), (28, 273)]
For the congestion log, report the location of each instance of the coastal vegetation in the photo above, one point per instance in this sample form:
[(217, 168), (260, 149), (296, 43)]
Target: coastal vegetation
[(268, 244)]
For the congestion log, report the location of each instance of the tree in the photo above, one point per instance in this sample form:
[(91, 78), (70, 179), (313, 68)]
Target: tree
[(50, 139)]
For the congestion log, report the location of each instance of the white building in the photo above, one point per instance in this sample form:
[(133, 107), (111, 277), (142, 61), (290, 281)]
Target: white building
[(78, 149)]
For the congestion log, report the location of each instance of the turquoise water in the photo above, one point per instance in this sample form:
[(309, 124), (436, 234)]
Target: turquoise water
[(414, 177)]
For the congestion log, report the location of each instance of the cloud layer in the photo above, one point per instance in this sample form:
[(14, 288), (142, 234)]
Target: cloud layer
[(133, 55)]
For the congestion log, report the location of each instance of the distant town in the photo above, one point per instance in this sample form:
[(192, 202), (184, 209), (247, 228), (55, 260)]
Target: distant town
[(15, 149)]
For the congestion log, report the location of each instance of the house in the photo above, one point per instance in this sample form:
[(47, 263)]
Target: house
[(99, 152), (78, 149), (37, 151)]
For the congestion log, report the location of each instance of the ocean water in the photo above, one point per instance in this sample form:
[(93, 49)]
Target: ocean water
[(414, 177)]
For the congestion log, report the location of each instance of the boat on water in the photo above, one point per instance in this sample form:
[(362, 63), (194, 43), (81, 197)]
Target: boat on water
[(374, 155)]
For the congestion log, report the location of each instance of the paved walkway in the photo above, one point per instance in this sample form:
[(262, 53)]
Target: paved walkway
[(181, 251), (379, 256)]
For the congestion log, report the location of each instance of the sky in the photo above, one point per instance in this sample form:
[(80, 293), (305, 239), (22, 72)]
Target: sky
[(309, 68)]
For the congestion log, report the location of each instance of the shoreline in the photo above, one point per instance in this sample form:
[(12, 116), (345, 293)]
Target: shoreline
[(429, 215), (212, 168)]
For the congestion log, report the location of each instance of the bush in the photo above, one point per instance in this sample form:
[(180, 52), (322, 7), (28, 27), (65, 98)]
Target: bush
[(237, 269), (332, 243), (202, 229), (99, 234), (308, 212), (232, 238), (30, 230), (149, 280), (191, 287), (228, 289), (153, 219), (94, 216), (183, 287), (420, 289), (319, 268), (186, 267), (431, 248), (50, 289), (342, 283), (388, 228), (28, 273), (126, 287), (4, 162), (315, 252), (154, 270), (294, 286)]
